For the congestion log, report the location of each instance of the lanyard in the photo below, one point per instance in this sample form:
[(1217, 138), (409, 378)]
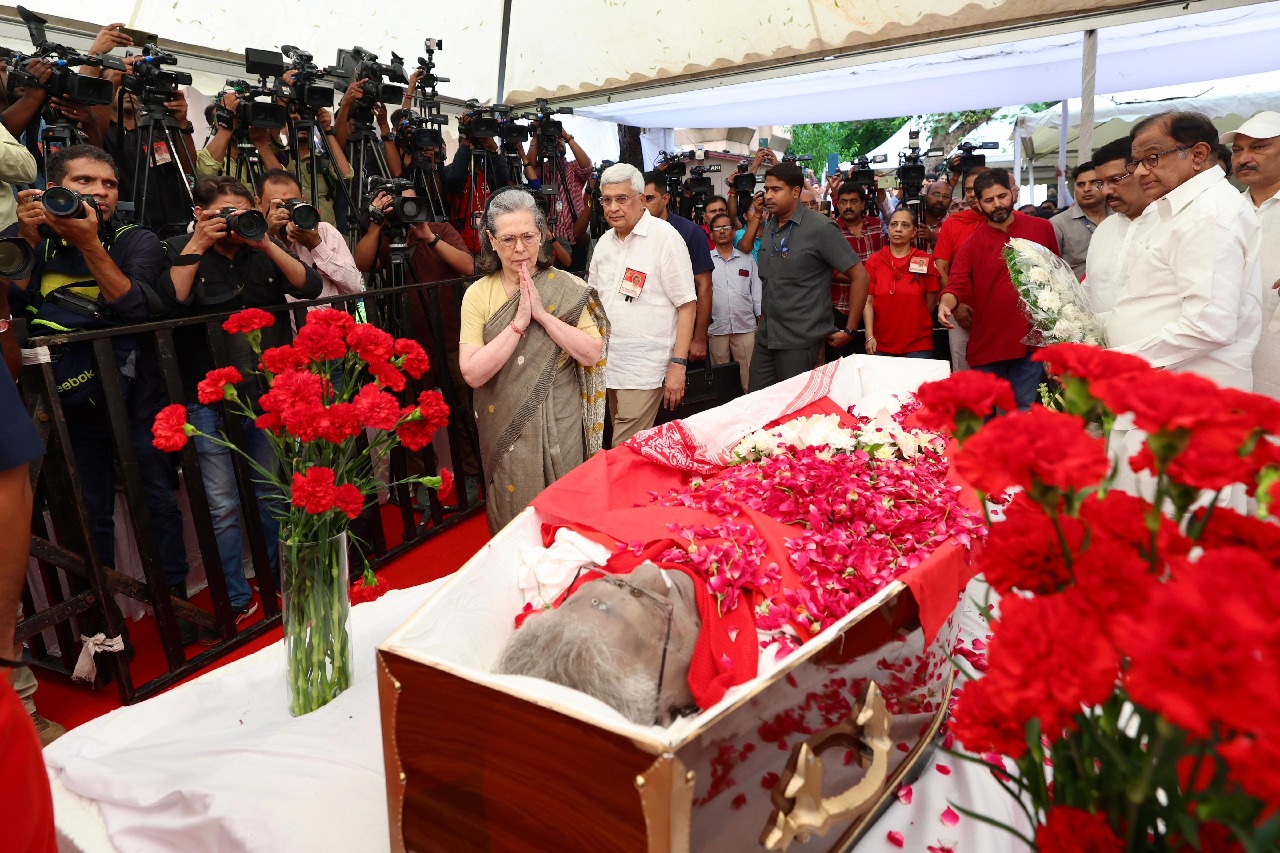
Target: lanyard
[(781, 248)]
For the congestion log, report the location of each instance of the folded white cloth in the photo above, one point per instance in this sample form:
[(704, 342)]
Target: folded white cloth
[(86, 669), (547, 572)]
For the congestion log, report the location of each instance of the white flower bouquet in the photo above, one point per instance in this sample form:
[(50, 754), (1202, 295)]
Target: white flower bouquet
[(883, 437), (1052, 298)]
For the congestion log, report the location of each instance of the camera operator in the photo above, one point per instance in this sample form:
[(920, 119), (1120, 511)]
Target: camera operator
[(657, 199), (93, 271), (211, 160), (329, 167), (456, 175), (762, 158), (866, 236), (437, 251), (320, 245), (570, 182), (227, 263)]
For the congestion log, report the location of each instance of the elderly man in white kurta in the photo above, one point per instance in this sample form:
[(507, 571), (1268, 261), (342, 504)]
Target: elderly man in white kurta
[(1192, 299), (1255, 161), (1192, 296)]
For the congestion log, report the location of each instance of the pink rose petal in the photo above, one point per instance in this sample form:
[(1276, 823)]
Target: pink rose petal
[(896, 838), (904, 795), (943, 769), (949, 817), (733, 635)]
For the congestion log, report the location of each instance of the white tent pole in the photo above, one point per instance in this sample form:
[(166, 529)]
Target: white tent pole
[(1017, 149), (1062, 154), (1031, 180), (1088, 79)]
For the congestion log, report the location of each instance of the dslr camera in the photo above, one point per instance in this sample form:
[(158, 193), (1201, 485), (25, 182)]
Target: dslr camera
[(302, 214), (65, 204), (404, 210), (250, 225)]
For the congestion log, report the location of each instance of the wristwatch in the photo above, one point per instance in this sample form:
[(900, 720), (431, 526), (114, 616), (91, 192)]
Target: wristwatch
[(433, 242), (681, 361), (388, 137)]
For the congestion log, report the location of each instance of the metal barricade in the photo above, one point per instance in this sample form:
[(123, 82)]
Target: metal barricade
[(80, 589)]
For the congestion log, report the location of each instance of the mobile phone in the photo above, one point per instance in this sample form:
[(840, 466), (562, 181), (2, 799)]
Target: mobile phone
[(833, 164), (764, 142), (140, 37)]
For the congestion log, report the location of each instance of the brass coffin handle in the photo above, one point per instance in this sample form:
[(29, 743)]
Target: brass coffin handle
[(799, 809)]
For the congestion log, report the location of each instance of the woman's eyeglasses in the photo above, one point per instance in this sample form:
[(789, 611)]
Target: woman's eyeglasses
[(508, 241)]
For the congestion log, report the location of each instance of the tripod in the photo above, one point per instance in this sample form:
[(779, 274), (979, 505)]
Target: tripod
[(364, 146), (157, 121), (481, 182), (317, 160), (242, 161), (424, 171), (551, 171)]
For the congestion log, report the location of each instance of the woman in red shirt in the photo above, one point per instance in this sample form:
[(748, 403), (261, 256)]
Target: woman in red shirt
[(904, 292)]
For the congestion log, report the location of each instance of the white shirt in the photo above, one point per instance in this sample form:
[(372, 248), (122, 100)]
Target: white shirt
[(1266, 358), (1192, 297), (735, 293), (1104, 264), (643, 330)]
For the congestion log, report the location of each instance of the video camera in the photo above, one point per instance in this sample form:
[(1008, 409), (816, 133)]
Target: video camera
[(415, 132), (480, 122), (863, 176), (796, 158), (307, 90), (63, 83), (380, 78), (149, 82), (548, 128), (252, 112), (699, 184), (404, 210), (968, 160), (676, 165), (911, 170)]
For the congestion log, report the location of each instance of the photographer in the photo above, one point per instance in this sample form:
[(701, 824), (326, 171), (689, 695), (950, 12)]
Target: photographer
[(762, 158), (331, 167), (93, 271), (568, 205), (211, 161), (221, 266), (320, 246), (436, 249), (168, 207), (467, 201)]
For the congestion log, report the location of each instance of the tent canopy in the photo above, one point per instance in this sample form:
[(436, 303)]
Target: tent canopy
[(587, 50), (1228, 102)]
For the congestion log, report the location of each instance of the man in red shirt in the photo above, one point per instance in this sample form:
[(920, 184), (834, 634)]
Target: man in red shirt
[(956, 229), (866, 236), (979, 277)]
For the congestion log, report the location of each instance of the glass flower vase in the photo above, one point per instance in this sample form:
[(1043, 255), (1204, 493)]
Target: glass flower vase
[(316, 614)]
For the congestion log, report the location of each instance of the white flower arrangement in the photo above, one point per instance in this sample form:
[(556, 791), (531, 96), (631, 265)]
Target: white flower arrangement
[(1052, 298), (882, 437)]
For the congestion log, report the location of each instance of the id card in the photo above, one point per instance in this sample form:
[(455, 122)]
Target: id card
[(160, 154), (632, 283), (918, 265)]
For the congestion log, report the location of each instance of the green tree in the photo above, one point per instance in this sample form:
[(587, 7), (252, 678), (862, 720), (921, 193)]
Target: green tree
[(848, 139)]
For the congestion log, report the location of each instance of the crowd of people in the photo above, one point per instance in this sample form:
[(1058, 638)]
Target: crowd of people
[(571, 334)]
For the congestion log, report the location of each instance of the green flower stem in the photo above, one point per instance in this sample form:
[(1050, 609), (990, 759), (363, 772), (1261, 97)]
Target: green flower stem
[(316, 612)]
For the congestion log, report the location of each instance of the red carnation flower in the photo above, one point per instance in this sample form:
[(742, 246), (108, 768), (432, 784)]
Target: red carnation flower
[(1228, 529), (215, 383), (1160, 400), (1124, 518), (960, 402), (320, 342), (984, 721), (170, 428), (340, 422), (376, 408), (435, 411), (348, 499), (269, 421), (387, 376), (331, 319), (413, 358), (1023, 551), (373, 345), (446, 492), (281, 359), (1033, 448), (1085, 361), (314, 490), (248, 320), (415, 433), (292, 388), (1070, 830), (1254, 763)]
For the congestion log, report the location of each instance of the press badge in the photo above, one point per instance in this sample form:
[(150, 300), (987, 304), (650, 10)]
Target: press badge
[(160, 154), (632, 283), (918, 265)]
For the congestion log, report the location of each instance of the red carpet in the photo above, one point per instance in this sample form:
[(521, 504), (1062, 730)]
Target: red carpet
[(71, 704)]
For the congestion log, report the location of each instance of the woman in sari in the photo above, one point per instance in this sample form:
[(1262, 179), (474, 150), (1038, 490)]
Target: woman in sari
[(532, 345)]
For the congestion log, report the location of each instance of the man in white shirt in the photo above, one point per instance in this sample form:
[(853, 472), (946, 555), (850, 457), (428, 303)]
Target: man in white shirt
[(321, 247), (1104, 265), (642, 271), (1192, 298), (1255, 159)]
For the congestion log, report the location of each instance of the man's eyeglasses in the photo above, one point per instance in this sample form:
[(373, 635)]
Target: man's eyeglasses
[(722, 228), (610, 200), (664, 605), (1097, 185), (1115, 180), (1153, 160), (508, 241)]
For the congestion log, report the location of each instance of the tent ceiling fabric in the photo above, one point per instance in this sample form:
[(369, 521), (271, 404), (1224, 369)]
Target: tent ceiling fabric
[(1179, 49)]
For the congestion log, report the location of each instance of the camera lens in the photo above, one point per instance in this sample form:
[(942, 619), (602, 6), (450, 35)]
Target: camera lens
[(16, 258), (304, 216), (249, 224), (411, 210), (61, 201)]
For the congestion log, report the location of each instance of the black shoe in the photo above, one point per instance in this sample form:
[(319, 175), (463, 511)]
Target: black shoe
[(187, 630), (210, 637)]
